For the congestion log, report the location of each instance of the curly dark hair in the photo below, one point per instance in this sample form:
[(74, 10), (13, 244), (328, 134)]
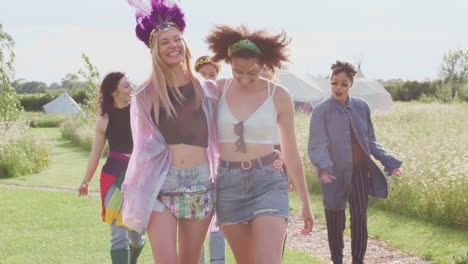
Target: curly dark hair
[(343, 66), (108, 86), (274, 47)]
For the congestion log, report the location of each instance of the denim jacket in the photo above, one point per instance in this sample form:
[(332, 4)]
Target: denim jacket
[(330, 149)]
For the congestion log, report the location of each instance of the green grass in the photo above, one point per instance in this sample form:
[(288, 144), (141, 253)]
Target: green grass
[(440, 244), (52, 227), (40, 119), (57, 227), (67, 165), (431, 139), (48, 227)]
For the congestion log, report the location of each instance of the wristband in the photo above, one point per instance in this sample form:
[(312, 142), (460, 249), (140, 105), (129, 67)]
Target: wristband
[(85, 182)]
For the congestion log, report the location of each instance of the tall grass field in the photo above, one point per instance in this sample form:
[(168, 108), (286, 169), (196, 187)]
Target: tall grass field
[(21, 151), (432, 141)]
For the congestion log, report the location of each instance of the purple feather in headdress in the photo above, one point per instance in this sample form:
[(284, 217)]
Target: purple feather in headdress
[(160, 15)]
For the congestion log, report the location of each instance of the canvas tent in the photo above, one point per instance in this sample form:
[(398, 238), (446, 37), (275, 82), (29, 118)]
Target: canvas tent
[(301, 89), (63, 104), (372, 91)]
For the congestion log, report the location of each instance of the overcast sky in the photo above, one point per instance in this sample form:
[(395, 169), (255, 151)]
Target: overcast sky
[(393, 38)]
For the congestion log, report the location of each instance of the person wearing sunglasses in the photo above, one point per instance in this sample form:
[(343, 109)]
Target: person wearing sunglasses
[(253, 113), (341, 142)]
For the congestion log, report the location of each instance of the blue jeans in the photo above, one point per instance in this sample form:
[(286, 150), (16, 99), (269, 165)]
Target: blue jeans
[(217, 248)]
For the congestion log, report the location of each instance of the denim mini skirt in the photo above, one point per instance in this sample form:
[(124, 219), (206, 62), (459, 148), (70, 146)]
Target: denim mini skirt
[(243, 195)]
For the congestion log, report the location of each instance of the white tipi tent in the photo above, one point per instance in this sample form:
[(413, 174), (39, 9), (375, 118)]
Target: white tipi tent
[(63, 104), (372, 91), (301, 89)]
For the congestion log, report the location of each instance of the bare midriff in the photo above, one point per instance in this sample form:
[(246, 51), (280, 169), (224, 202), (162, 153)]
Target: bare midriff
[(187, 156), (254, 150)]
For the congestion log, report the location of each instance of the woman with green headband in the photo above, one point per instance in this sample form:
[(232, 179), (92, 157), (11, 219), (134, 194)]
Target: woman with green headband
[(253, 113)]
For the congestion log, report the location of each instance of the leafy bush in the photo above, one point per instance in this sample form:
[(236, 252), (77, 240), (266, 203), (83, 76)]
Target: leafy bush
[(34, 102), (410, 90), (20, 151), (10, 108), (80, 131)]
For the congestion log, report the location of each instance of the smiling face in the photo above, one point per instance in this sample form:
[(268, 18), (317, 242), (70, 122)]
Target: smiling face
[(123, 93), (245, 70), (209, 72), (340, 85), (171, 47)]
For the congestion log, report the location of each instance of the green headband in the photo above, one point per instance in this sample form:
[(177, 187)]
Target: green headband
[(244, 44)]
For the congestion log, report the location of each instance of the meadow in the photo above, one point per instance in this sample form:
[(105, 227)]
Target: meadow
[(426, 214)]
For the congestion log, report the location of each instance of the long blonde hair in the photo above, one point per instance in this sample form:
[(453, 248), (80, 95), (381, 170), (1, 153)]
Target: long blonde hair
[(163, 80)]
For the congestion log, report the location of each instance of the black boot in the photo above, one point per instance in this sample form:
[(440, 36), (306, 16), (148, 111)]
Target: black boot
[(135, 253), (119, 256)]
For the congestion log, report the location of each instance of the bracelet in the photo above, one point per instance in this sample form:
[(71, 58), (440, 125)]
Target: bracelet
[(85, 182)]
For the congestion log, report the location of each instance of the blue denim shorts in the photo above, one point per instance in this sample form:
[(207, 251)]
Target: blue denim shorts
[(243, 195), (192, 178)]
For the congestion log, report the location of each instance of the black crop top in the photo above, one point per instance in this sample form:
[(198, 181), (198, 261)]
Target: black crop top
[(190, 127), (118, 132)]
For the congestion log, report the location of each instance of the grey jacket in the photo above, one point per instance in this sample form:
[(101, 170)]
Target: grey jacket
[(330, 149)]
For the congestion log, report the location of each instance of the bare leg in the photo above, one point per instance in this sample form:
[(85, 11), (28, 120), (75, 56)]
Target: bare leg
[(240, 239), (191, 236), (268, 235), (162, 229)]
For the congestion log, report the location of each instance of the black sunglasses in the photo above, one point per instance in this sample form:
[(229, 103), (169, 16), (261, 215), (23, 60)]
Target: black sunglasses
[(344, 85), (239, 131)]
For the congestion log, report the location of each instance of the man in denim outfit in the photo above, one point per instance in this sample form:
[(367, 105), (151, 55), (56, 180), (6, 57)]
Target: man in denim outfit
[(341, 143)]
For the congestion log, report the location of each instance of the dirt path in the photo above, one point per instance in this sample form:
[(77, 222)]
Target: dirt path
[(316, 244)]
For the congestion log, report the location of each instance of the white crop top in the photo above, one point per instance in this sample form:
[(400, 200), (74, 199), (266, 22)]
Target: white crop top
[(259, 128)]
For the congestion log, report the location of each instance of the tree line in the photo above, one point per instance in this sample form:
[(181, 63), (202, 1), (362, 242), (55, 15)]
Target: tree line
[(71, 82), (451, 85)]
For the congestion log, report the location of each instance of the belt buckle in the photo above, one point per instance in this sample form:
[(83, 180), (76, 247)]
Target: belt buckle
[(245, 167)]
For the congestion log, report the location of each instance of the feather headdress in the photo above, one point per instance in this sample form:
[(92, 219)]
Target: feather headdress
[(155, 16)]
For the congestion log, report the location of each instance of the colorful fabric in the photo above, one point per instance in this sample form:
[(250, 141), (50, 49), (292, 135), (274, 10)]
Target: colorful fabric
[(113, 212), (151, 159), (194, 202), (113, 172)]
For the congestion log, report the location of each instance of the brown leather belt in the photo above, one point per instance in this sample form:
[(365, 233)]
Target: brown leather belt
[(250, 164)]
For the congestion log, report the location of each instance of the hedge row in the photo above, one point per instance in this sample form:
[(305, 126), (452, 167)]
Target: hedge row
[(34, 102)]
